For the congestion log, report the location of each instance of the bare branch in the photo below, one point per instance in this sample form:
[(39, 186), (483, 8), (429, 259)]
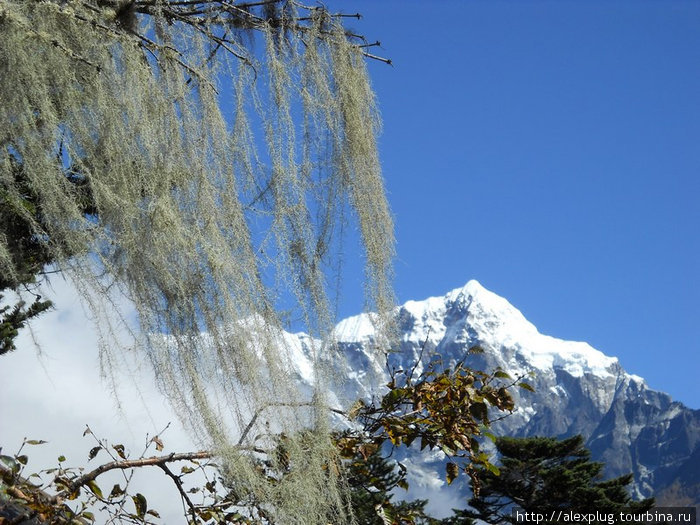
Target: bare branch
[(133, 463), (249, 426), (378, 58), (181, 490)]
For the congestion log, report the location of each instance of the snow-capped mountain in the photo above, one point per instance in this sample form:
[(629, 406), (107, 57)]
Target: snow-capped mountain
[(578, 389)]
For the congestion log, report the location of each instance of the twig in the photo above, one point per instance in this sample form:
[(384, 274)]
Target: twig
[(181, 490), (132, 463), (252, 421), (331, 15), (420, 357), (378, 58)]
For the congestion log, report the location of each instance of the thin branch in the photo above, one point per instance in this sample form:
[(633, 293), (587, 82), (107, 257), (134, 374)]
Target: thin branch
[(219, 40), (255, 4), (181, 490), (332, 15), (54, 42), (132, 463), (178, 3), (193, 72), (378, 58), (237, 8), (420, 357), (252, 421)]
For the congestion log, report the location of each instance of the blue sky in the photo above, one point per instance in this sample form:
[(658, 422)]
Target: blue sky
[(550, 150)]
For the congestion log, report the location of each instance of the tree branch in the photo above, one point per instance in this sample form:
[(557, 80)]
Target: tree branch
[(252, 421), (181, 490), (158, 461)]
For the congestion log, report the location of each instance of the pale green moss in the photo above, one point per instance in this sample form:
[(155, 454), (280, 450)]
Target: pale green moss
[(181, 194)]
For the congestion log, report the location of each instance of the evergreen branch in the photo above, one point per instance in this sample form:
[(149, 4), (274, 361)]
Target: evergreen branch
[(16, 319)]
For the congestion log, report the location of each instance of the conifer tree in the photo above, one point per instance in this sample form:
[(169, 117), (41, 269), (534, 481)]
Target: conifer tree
[(28, 252), (542, 474)]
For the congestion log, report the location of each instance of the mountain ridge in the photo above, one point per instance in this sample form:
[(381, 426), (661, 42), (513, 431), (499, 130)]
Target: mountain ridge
[(578, 389)]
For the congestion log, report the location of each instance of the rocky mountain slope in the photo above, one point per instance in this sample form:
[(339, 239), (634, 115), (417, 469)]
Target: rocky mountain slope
[(577, 388)]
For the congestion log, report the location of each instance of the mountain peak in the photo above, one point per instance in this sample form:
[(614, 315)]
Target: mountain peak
[(474, 315), (473, 287), (474, 294), (578, 389)]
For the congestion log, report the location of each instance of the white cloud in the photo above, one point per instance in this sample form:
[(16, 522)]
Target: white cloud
[(53, 391)]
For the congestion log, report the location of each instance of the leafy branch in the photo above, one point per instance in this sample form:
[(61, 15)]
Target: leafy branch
[(442, 408)]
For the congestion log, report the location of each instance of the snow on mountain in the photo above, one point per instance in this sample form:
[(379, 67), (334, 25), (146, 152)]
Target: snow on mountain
[(578, 389), (470, 315), (500, 324), (496, 321)]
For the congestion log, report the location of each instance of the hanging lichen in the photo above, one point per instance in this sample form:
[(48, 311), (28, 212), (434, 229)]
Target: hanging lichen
[(168, 159)]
